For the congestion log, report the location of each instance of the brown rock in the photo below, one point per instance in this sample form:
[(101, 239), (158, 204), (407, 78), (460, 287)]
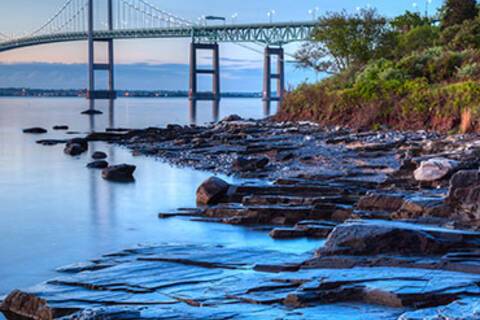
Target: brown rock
[(380, 202), (76, 146), (23, 306), (119, 173), (211, 191)]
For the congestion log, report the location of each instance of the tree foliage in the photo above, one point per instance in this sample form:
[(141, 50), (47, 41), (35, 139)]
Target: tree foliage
[(456, 12), (342, 40)]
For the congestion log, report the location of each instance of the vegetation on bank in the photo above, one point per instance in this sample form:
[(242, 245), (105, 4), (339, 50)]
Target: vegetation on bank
[(410, 72)]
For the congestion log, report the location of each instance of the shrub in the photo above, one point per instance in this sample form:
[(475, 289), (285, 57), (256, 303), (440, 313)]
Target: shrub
[(462, 36)]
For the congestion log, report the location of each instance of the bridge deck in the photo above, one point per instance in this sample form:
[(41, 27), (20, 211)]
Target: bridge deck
[(268, 33)]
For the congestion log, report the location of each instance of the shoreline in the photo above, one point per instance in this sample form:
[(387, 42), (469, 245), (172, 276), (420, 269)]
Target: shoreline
[(360, 191)]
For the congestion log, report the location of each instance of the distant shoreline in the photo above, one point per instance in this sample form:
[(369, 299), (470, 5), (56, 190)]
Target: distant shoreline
[(65, 93)]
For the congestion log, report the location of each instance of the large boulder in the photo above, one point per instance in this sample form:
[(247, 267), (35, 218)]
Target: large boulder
[(119, 173), (211, 191), (435, 169), (35, 130), (464, 194), (76, 146), (23, 306), (383, 237)]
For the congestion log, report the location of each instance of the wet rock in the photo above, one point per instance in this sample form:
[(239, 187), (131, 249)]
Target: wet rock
[(99, 155), (464, 194), (106, 136), (76, 146), (60, 127), (250, 164), (435, 169), (50, 142), (286, 233), (382, 237), (99, 164), (211, 191), (463, 309), (380, 202), (23, 306), (119, 173), (231, 118), (92, 112), (35, 130)]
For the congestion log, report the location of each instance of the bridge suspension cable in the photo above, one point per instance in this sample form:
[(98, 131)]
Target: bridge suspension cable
[(3, 36), (70, 17), (140, 14)]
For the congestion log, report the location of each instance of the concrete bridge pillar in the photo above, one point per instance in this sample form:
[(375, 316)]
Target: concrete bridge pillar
[(193, 94), (92, 92), (278, 75)]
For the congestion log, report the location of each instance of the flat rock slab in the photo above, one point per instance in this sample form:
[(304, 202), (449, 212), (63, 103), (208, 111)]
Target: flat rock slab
[(375, 237), (215, 282)]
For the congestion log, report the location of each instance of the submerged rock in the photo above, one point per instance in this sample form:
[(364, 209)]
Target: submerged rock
[(119, 173), (23, 306), (211, 191), (35, 130), (435, 169)]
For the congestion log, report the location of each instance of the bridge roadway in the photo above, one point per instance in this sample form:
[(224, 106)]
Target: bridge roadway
[(268, 34)]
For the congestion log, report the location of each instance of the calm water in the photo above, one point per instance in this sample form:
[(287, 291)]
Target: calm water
[(54, 211)]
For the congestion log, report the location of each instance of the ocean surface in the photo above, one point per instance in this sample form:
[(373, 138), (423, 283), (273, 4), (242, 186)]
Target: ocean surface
[(54, 211)]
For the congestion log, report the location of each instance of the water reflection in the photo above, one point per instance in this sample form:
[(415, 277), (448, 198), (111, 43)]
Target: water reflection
[(55, 211)]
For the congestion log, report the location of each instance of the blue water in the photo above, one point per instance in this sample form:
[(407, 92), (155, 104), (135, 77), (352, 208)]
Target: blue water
[(54, 211)]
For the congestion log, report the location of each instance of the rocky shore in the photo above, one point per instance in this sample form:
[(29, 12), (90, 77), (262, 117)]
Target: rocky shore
[(396, 215)]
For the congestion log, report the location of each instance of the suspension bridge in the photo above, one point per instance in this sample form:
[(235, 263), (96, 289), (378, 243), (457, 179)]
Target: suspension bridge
[(109, 20)]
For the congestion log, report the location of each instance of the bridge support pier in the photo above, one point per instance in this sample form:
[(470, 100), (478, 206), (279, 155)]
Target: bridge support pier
[(193, 94), (268, 75), (92, 93)]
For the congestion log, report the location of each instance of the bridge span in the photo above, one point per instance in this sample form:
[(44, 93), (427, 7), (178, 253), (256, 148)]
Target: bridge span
[(137, 19)]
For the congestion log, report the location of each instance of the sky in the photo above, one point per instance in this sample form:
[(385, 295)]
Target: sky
[(21, 16)]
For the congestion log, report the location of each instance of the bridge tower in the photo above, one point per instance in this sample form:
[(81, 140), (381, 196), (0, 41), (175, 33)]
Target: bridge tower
[(268, 76), (193, 94), (92, 92)]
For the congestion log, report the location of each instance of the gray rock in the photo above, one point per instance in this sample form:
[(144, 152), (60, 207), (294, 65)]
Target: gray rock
[(435, 169), (383, 237)]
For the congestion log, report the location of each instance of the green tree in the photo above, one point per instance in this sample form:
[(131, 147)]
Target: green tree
[(456, 12), (409, 20), (343, 40), (418, 38)]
